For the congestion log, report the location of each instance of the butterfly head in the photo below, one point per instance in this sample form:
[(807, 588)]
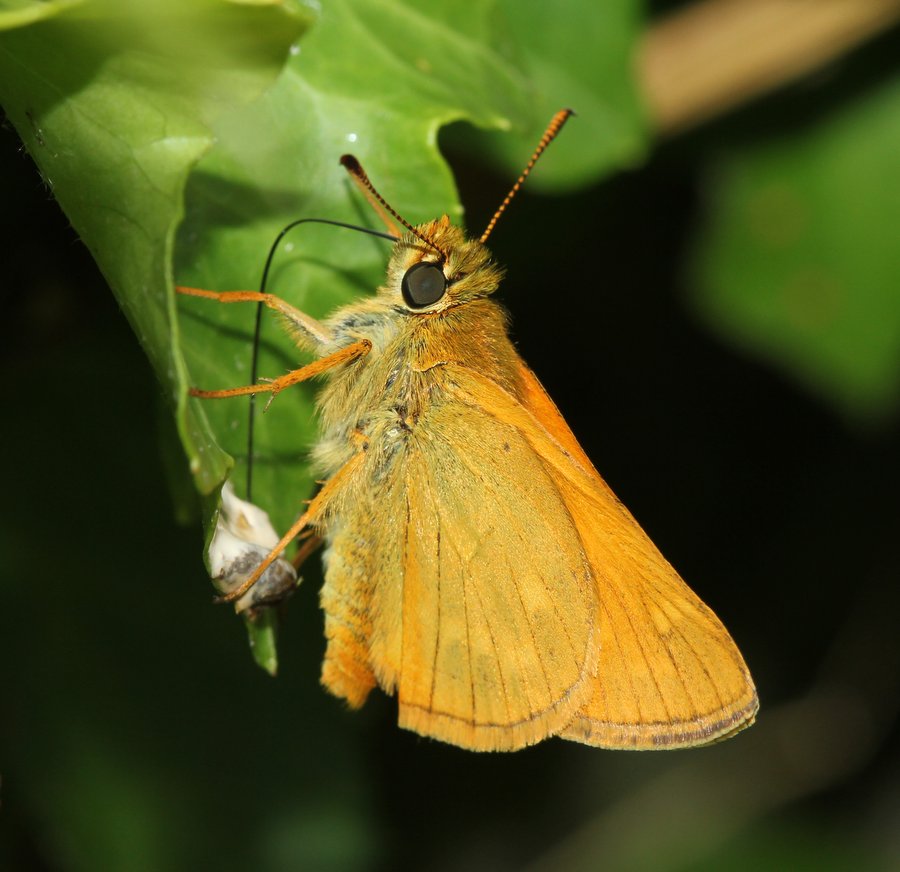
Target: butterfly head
[(435, 266), (446, 269)]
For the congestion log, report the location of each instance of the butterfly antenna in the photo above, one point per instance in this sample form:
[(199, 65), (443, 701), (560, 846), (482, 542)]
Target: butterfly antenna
[(358, 174), (549, 135), (254, 360)]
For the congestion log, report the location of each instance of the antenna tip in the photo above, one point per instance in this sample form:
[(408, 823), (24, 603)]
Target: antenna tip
[(350, 163)]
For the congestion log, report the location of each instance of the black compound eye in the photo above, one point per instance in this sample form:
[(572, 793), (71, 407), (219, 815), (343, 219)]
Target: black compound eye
[(423, 284)]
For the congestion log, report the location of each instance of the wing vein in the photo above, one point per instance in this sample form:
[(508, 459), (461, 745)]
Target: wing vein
[(641, 648), (687, 644), (490, 630), (642, 598), (533, 643), (437, 637), (504, 507)]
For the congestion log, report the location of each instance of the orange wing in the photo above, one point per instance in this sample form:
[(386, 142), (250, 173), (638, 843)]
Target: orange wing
[(668, 672), (471, 595)]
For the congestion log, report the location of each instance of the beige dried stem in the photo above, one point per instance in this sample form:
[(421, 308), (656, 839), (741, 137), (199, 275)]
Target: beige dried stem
[(714, 55)]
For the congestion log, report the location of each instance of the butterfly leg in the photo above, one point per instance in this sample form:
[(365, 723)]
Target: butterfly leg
[(314, 332), (276, 385), (310, 542), (310, 517)]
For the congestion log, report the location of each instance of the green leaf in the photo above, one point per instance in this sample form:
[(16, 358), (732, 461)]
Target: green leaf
[(799, 258), (18, 13), (141, 115), (114, 102), (575, 55)]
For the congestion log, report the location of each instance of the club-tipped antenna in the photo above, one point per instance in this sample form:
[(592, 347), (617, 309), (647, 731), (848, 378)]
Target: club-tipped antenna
[(550, 133), (358, 174)]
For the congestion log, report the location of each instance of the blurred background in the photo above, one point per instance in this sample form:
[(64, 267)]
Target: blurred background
[(721, 328)]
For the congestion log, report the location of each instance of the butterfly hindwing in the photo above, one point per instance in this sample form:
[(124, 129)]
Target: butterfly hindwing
[(480, 606)]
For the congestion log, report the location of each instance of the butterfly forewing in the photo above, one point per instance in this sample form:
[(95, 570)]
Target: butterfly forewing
[(668, 672)]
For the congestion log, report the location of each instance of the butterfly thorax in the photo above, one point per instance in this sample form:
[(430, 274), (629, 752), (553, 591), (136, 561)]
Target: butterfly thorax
[(375, 403)]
